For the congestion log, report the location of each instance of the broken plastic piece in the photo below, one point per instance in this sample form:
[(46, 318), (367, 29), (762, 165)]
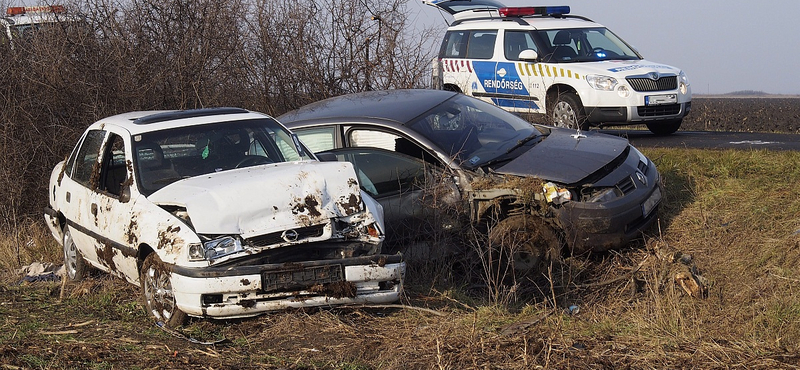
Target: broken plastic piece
[(556, 195)]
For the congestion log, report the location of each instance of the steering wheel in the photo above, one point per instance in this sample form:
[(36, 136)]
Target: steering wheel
[(252, 160)]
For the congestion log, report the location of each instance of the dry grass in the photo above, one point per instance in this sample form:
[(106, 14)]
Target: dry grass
[(736, 213)]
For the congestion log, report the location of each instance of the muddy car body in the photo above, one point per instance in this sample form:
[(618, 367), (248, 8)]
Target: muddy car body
[(218, 213), (592, 191)]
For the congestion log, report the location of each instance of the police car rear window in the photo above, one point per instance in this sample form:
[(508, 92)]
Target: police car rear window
[(470, 44)]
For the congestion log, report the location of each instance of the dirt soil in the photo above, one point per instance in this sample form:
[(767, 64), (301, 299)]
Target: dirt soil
[(779, 114), (100, 323)]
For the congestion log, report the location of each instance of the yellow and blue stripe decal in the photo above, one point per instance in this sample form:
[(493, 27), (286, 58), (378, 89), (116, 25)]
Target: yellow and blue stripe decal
[(545, 70)]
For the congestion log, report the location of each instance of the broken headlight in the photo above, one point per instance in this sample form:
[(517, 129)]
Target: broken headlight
[(214, 249), (604, 195)]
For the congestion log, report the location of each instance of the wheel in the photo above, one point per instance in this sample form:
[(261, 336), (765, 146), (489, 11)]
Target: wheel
[(74, 264), (664, 127), (567, 111), (252, 160), (527, 239), (157, 293)]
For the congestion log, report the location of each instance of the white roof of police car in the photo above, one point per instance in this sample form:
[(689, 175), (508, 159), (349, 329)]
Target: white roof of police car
[(538, 23), (126, 120)]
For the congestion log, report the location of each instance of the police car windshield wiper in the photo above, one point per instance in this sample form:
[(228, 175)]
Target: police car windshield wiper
[(524, 141)]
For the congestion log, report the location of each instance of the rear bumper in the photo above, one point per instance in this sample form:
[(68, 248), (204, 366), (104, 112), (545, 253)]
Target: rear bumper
[(230, 292)]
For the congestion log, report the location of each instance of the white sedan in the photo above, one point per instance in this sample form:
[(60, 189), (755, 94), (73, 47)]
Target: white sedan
[(218, 213)]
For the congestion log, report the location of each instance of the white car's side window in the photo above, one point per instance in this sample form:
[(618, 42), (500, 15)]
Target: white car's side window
[(86, 161)]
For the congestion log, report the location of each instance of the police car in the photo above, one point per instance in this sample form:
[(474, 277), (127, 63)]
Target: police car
[(20, 21), (543, 60)]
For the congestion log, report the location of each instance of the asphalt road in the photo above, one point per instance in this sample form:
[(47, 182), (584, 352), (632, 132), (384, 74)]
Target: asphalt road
[(710, 140)]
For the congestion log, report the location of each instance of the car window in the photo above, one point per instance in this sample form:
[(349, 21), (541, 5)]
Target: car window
[(469, 44), (86, 167), (318, 139), (481, 44), (372, 138), (382, 172), (455, 44), (114, 168), (517, 41), (471, 131), (585, 45), (166, 156)]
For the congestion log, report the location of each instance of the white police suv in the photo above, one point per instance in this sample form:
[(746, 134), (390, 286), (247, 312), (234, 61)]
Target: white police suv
[(544, 60)]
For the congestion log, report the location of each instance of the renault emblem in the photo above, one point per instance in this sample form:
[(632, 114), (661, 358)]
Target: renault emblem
[(290, 235), (642, 178)]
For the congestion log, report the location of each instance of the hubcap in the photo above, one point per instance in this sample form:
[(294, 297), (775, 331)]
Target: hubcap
[(70, 257), (564, 115), (158, 293)]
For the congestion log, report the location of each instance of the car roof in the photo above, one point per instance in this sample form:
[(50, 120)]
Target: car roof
[(139, 122), (539, 23), (400, 106)]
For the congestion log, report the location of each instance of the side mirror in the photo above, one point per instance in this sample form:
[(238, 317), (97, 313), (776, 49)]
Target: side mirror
[(528, 55), (125, 193), (326, 157)]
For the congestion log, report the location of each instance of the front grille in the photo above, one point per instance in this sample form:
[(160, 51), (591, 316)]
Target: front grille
[(658, 110), (626, 185), (647, 84), (275, 238)]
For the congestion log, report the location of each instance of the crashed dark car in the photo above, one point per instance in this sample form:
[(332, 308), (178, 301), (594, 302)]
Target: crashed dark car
[(586, 191)]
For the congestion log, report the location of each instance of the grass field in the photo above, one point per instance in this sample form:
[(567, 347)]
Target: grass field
[(730, 218)]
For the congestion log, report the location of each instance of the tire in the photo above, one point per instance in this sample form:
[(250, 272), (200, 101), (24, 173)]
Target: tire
[(157, 293), (74, 264), (527, 239), (664, 127), (566, 111)]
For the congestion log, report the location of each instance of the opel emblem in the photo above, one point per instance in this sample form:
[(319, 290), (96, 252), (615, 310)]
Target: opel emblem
[(641, 178), (653, 76), (290, 235)]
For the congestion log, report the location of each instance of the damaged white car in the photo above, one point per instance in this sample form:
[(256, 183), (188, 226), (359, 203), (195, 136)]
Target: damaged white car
[(218, 213)]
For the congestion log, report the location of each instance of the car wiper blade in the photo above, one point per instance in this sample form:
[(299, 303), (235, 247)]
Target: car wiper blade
[(522, 142)]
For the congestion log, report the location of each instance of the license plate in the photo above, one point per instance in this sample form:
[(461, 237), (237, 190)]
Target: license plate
[(651, 202), (300, 278), (660, 99)]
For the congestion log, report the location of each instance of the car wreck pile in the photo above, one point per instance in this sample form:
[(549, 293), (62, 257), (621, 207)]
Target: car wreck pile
[(225, 213)]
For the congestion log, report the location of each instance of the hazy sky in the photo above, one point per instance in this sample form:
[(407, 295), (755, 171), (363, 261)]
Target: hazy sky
[(723, 46)]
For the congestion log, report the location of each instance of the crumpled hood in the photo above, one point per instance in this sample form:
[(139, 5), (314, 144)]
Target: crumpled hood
[(262, 199), (563, 159), (623, 68)]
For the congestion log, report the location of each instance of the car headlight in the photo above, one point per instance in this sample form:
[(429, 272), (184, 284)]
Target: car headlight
[(623, 91), (684, 82), (605, 195), (599, 82), (214, 249)]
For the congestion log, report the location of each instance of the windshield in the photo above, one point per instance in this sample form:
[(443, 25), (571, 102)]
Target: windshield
[(583, 45), (471, 131), (163, 157)]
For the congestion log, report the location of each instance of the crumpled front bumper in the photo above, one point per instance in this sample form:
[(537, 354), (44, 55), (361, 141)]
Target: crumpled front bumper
[(242, 291)]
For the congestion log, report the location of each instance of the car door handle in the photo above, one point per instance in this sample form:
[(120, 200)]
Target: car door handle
[(94, 209), (69, 196)]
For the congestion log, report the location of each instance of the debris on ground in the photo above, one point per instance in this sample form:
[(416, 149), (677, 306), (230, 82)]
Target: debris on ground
[(41, 271)]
